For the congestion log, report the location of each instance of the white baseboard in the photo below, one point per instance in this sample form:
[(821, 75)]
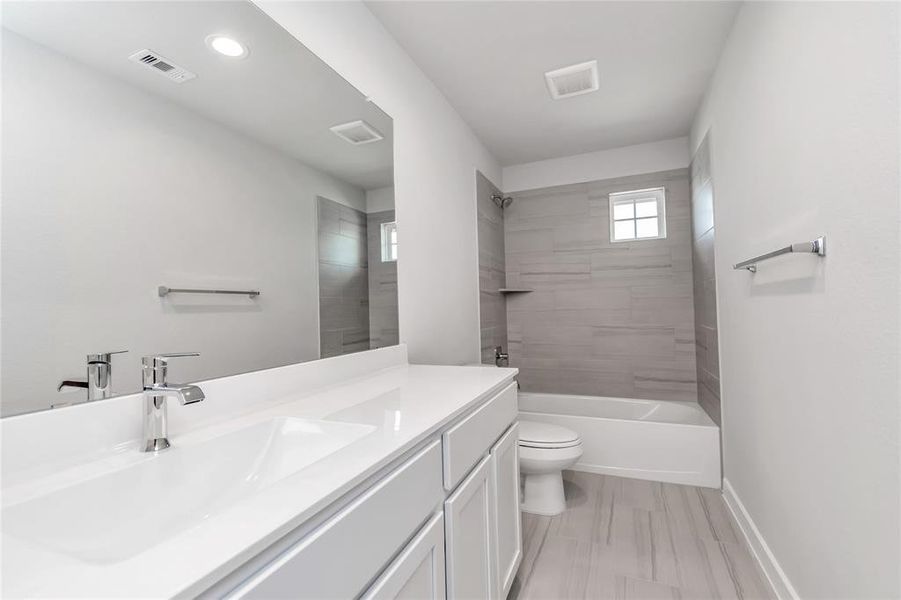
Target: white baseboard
[(782, 587)]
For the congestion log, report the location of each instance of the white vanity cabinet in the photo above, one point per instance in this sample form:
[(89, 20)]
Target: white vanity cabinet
[(342, 556), (482, 519), (483, 525), (444, 524)]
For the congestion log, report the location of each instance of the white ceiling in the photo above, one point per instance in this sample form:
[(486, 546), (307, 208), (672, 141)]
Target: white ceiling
[(281, 94), (489, 59)]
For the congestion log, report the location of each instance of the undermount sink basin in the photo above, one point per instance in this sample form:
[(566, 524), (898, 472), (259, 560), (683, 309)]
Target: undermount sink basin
[(117, 515)]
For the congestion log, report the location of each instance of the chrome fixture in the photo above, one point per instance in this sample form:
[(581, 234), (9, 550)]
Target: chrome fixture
[(501, 202), (156, 390), (99, 381), (501, 358), (817, 246), (164, 291)]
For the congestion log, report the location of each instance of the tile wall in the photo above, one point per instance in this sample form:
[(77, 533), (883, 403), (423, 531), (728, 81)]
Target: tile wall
[(604, 319), (492, 312), (382, 285), (702, 242), (343, 280)]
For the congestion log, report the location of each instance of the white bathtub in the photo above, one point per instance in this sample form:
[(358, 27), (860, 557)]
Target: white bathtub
[(674, 442)]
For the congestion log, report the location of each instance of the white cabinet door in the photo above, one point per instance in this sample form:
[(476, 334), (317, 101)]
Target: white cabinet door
[(507, 521), (418, 573), (468, 537)]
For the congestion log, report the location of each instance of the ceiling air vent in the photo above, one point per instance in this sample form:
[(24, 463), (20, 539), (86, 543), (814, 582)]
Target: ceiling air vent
[(357, 132), (163, 66), (573, 80)]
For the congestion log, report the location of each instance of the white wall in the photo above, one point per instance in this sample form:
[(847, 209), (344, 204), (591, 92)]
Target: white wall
[(653, 157), (803, 116), (109, 192), (435, 156), (380, 199)]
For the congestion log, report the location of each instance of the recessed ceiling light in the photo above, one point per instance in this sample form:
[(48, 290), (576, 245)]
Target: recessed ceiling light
[(227, 46)]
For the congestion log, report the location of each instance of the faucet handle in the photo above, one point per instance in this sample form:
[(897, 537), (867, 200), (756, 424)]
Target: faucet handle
[(156, 361), (103, 356), (155, 367)]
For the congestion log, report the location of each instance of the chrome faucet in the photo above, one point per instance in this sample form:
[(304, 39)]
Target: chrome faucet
[(156, 390), (99, 381), (501, 358)]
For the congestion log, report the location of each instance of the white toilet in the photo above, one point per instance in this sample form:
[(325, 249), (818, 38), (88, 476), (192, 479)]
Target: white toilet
[(544, 451)]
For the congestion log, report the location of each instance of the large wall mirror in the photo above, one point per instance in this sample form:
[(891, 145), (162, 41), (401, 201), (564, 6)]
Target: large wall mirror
[(156, 152)]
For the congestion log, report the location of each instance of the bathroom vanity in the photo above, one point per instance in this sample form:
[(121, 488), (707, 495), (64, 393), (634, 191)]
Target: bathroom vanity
[(353, 476), (270, 473)]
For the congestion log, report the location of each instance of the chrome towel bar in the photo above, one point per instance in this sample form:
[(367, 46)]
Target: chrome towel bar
[(817, 246), (165, 291)]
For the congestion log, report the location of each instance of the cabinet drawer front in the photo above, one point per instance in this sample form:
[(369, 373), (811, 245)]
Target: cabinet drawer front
[(467, 441), (418, 573), (348, 551)]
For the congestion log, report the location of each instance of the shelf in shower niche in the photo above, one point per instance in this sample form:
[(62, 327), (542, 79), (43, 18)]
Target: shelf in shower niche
[(514, 290)]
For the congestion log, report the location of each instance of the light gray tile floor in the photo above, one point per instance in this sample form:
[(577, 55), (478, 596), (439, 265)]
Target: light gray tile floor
[(631, 539)]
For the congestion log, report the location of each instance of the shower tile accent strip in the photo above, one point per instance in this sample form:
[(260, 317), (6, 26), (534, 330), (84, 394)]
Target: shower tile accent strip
[(604, 319), (343, 280), (492, 308), (704, 281)]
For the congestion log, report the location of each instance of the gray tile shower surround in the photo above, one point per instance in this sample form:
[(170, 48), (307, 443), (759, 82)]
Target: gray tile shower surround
[(492, 306), (604, 319), (704, 282)]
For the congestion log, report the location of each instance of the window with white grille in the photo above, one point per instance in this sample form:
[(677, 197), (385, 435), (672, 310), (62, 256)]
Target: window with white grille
[(638, 215), (389, 241)]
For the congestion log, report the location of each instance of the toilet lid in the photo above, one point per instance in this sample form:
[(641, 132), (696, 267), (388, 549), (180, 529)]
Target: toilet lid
[(545, 435)]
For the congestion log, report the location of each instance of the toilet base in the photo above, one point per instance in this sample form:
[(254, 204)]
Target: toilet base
[(543, 493)]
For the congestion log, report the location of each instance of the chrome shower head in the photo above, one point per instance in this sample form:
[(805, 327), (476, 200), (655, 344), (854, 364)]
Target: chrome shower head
[(501, 202)]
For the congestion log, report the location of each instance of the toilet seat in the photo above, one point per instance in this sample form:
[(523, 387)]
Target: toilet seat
[(533, 434), (550, 446)]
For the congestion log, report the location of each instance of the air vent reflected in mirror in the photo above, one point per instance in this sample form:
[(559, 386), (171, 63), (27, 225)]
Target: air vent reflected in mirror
[(357, 132), (573, 80)]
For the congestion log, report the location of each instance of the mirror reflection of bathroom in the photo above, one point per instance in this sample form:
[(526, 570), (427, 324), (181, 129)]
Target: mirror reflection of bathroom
[(358, 250), (213, 187)]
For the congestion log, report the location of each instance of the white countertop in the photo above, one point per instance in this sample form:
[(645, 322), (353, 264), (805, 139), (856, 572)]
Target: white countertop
[(405, 405)]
